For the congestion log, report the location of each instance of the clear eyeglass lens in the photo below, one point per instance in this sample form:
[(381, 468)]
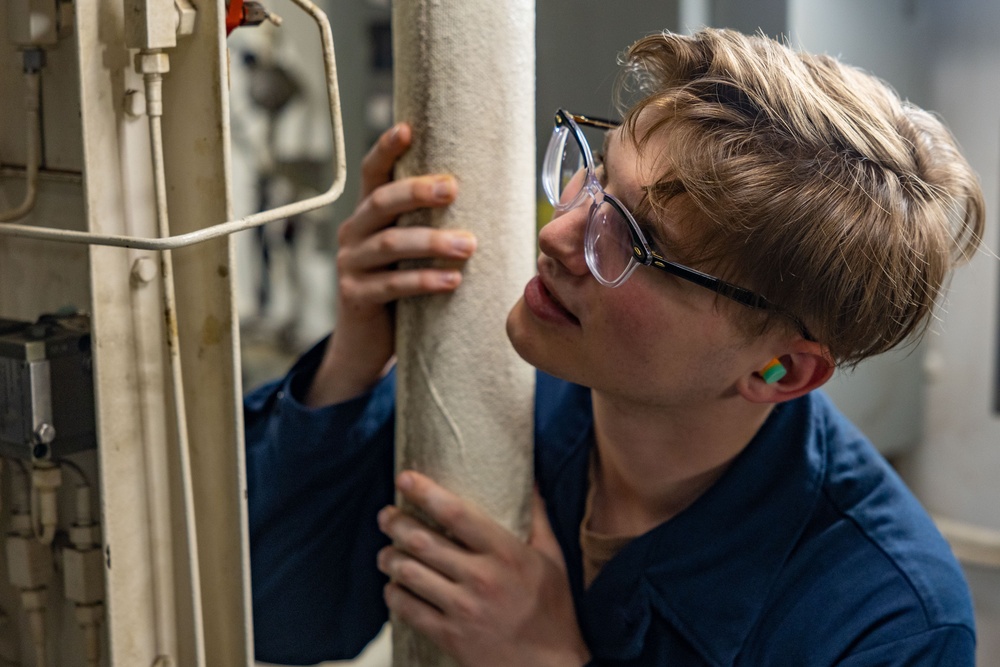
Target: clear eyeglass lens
[(572, 171), (608, 244)]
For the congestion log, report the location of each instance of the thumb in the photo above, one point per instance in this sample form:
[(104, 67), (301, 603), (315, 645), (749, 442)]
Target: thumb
[(542, 538)]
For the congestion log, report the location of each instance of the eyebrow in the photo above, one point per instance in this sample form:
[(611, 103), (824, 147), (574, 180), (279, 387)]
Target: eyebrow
[(661, 235)]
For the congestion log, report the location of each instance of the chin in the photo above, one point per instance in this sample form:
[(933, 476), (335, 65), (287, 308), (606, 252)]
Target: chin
[(519, 338), (534, 348)]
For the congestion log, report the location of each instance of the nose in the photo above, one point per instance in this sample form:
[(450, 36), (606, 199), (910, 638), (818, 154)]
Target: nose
[(562, 239)]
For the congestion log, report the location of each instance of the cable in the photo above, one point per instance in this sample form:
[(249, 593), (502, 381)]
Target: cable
[(77, 470)]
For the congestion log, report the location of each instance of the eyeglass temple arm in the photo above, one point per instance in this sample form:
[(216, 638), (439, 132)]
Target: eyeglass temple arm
[(594, 122), (738, 294)]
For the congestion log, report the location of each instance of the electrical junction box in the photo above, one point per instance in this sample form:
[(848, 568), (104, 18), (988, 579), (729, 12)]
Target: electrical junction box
[(46, 387)]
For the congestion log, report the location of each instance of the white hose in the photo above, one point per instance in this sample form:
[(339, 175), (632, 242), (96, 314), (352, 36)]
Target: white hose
[(32, 103), (154, 109)]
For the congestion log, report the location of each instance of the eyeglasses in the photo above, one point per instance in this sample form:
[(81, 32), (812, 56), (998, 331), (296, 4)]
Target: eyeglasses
[(614, 245)]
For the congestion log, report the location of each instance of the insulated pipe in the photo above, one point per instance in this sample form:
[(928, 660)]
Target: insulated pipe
[(464, 79)]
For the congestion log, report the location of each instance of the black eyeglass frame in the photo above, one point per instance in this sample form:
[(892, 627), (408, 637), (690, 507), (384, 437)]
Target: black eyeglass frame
[(641, 250)]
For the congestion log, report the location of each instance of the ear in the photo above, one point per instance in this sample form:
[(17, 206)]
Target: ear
[(808, 365)]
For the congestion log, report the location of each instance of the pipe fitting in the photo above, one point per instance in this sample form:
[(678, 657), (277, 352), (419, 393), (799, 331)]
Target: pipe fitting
[(152, 62)]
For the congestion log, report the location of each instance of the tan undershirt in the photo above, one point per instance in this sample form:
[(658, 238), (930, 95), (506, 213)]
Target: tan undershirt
[(597, 548)]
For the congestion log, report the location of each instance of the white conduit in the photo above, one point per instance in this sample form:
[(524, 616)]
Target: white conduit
[(163, 578), (34, 121), (247, 222), (464, 78)]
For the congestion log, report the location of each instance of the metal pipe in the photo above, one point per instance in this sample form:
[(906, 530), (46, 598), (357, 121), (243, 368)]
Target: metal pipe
[(240, 224), (32, 159)]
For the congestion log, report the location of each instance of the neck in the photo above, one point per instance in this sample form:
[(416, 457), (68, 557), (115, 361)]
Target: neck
[(653, 463)]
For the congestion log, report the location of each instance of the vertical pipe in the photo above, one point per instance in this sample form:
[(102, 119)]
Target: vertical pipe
[(464, 79)]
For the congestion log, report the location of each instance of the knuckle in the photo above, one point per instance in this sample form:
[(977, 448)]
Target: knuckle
[(369, 163), (394, 284), (450, 513), (483, 583), (348, 287), (466, 607), (342, 262), (416, 542), (406, 571), (344, 233), (380, 199), (388, 241)]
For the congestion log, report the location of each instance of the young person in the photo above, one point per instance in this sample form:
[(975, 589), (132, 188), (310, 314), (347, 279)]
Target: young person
[(758, 218)]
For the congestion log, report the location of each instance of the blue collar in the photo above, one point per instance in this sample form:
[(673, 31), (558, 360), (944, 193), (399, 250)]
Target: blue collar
[(708, 570)]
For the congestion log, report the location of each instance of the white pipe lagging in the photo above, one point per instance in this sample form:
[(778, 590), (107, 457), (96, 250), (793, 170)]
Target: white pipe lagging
[(32, 101), (464, 79), (246, 222)]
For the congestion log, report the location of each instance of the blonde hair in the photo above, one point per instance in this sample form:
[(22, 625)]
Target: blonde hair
[(814, 184)]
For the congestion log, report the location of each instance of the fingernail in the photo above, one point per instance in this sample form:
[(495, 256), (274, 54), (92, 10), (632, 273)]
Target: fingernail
[(444, 188), (464, 245), (394, 137), (449, 279), (383, 514), (405, 482)]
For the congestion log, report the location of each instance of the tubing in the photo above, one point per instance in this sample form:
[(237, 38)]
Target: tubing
[(154, 106), (240, 224), (32, 102)]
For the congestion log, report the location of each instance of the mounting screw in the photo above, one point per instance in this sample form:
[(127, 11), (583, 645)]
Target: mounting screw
[(45, 433), (143, 270)]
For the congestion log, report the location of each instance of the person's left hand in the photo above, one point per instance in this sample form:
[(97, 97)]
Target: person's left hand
[(481, 594)]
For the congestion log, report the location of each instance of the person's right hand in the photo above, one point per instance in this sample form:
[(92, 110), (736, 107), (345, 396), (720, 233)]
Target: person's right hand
[(368, 281)]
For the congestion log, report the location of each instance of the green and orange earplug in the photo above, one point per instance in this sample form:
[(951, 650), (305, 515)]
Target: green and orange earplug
[(773, 372)]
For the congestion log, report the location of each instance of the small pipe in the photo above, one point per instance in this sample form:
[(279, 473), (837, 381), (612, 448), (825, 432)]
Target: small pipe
[(246, 222), (32, 102), (46, 478), (54, 175), (154, 110)]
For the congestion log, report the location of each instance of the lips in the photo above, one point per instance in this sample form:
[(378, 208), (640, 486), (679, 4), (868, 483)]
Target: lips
[(544, 304)]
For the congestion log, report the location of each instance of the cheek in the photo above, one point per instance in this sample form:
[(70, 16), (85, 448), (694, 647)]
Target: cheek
[(631, 316), (657, 324)]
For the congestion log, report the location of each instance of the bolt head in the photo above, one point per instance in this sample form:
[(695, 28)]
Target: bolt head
[(143, 270), (45, 433)]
